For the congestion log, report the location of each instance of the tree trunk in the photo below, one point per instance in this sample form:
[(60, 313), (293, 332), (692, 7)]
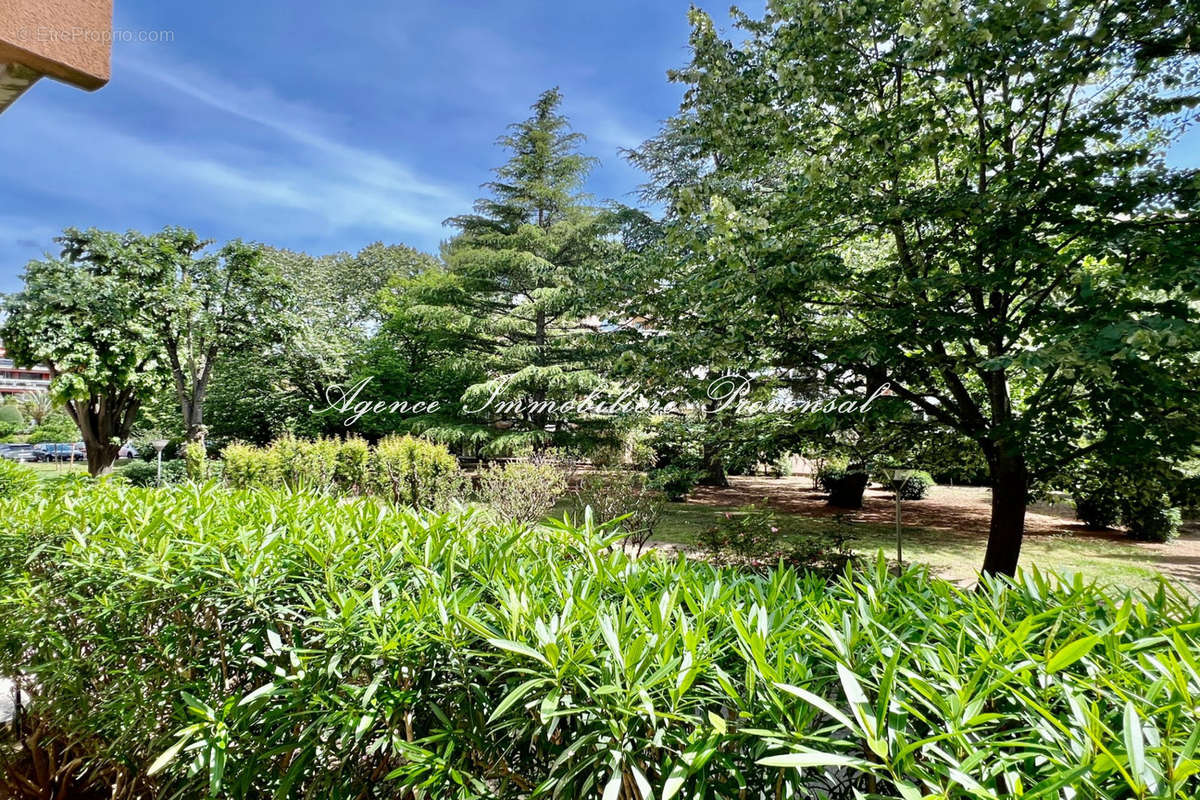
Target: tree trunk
[(714, 468), (104, 422), (1010, 486), (196, 429), (101, 456)]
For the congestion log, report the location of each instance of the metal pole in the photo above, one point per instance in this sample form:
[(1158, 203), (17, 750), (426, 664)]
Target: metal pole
[(899, 536), (160, 471)]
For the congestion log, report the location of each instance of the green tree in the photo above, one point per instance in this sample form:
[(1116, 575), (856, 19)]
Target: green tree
[(280, 386), (36, 406), (213, 306), (11, 420), (517, 282), (117, 314), (55, 429), (84, 315), (972, 199), (420, 354)]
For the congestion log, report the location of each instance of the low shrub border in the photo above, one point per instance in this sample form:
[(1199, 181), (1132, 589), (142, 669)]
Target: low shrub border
[(194, 642)]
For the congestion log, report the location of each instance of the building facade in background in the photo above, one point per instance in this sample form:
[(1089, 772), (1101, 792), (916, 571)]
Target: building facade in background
[(68, 40), (21, 380)]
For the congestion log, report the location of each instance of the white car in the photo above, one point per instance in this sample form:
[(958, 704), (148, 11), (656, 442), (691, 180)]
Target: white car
[(127, 451)]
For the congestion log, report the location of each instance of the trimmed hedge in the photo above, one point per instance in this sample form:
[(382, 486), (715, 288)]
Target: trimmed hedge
[(145, 473), (194, 642), (405, 469)]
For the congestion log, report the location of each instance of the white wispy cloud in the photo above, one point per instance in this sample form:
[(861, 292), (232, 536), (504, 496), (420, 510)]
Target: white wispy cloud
[(244, 161), (294, 122)]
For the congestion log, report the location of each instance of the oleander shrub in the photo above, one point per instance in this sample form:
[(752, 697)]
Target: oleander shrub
[(521, 491), (418, 473), (247, 466), (352, 471), (260, 643), (16, 479), (626, 496), (195, 460)]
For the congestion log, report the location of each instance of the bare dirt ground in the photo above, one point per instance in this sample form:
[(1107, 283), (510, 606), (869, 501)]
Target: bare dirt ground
[(962, 514)]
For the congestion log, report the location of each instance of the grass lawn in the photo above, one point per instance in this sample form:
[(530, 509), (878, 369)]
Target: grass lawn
[(948, 532), (952, 556), (52, 468)]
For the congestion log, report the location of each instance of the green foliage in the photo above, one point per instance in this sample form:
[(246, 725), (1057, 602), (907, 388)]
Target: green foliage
[(521, 491), (11, 420), (755, 536), (516, 288), (1138, 498), (675, 481), (195, 458), (145, 473), (352, 470), (1099, 509), (417, 473), (915, 486), (625, 495), (214, 305), (406, 470), (56, 428), (247, 466), (1185, 491), (845, 485), (16, 479), (891, 178), (387, 652), (642, 455), (741, 535), (1150, 518), (36, 406), (305, 464), (90, 315)]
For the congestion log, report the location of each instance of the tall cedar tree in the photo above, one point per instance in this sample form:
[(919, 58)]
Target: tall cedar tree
[(972, 197), (517, 281)]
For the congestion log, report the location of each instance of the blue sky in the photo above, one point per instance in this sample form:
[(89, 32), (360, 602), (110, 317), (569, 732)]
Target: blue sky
[(324, 127)]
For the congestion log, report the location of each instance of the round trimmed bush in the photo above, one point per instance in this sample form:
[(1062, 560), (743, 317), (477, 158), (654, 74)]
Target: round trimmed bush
[(145, 473), (917, 486), (1098, 510), (845, 486), (1152, 519)]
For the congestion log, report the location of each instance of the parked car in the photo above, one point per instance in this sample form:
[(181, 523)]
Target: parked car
[(127, 451), (17, 452), (55, 452)]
